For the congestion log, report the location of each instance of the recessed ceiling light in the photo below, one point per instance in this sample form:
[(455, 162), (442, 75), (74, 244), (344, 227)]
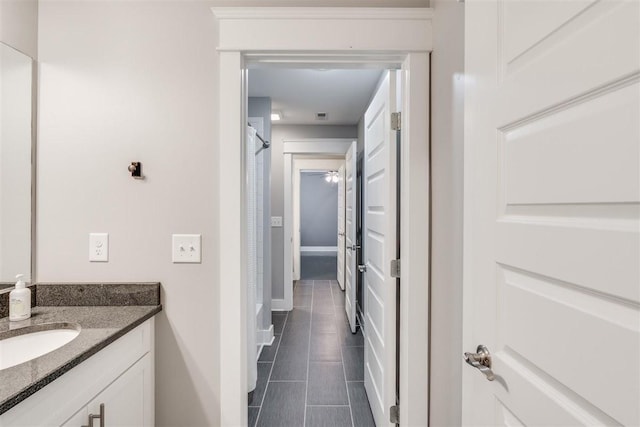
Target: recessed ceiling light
[(276, 115)]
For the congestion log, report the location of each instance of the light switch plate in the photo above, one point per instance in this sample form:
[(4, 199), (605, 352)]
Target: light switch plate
[(186, 248), (276, 221), (99, 247)]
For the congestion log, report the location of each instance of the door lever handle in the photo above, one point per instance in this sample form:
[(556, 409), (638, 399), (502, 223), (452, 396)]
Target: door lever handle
[(481, 360), (362, 268)]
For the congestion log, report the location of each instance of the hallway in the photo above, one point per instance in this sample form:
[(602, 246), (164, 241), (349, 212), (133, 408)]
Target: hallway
[(318, 267), (313, 373)]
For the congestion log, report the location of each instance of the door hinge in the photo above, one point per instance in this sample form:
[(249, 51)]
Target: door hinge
[(396, 121), (395, 268), (394, 414)]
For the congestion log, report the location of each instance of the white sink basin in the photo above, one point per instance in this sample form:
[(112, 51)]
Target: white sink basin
[(26, 344)]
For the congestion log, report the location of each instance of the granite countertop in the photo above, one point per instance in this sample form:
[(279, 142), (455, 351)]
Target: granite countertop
[(6, 287), (102, 312)]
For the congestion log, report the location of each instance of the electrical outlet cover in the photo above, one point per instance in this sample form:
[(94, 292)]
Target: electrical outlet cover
[(99, 247), (186, 248)]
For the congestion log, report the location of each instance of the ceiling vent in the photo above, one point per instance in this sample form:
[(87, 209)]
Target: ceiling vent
[(322, 116)]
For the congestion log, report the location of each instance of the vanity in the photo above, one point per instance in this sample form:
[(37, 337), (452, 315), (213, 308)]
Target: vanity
[(86, 355), (103, 376)]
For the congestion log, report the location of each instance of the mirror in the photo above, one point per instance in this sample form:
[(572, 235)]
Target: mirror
[(16, 172)]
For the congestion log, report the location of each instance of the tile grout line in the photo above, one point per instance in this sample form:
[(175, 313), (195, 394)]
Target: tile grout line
[(284, 325), (306, 392), (344, 369), (328, 406), (335, 296)]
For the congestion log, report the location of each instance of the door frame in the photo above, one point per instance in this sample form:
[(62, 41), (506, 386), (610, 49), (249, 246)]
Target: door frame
[(358, 38), (319, 150)]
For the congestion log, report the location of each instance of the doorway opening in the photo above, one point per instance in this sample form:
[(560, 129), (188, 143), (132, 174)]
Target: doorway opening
[(320, 265), (359, 39), (318, 213)]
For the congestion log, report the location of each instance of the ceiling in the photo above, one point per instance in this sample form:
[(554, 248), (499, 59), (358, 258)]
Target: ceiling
[(301, 93)]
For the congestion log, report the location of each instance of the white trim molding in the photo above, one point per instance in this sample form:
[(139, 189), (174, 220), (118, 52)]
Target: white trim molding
[(265, 336), (318, 249), (264, 29), (313, 159), (279, 305), (317, 146), (323, 13), (329, 38)]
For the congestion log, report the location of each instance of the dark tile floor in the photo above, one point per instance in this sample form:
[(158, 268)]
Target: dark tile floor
[(313, 373), (318, 266)]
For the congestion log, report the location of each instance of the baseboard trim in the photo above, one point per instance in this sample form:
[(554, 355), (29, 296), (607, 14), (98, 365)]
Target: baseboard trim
[(266, 336), (318, 249), (278, 305)]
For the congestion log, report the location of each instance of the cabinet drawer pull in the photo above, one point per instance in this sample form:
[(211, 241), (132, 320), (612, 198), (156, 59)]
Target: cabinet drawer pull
[(100, 417)]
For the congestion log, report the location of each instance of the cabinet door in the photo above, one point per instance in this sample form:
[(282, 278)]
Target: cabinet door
[(79, 419), (128, 401)]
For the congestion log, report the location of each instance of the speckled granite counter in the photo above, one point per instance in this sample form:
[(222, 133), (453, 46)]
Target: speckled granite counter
[(84, 306)]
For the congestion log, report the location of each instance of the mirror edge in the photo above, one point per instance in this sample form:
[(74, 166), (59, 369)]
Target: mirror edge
[(34, 161)]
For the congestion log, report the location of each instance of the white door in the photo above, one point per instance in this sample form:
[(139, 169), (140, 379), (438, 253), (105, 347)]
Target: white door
[(552, 205), (350, 234), (379, 248), (341, 226)]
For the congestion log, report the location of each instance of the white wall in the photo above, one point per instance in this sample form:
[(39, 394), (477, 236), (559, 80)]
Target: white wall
[(318, 210), (136, 81), (447, 66), (281, 133), (19, 25)]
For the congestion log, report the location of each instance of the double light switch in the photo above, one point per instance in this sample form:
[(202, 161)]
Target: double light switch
[(186, 248)]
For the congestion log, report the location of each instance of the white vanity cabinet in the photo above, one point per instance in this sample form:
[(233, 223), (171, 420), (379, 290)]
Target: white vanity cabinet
[(124, 403), (120, 377)]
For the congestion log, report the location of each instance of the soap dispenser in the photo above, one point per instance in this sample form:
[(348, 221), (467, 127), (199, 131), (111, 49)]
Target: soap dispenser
[(19, 301)]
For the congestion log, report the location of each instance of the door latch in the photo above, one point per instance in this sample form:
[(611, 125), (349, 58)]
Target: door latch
[(362, 268)]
